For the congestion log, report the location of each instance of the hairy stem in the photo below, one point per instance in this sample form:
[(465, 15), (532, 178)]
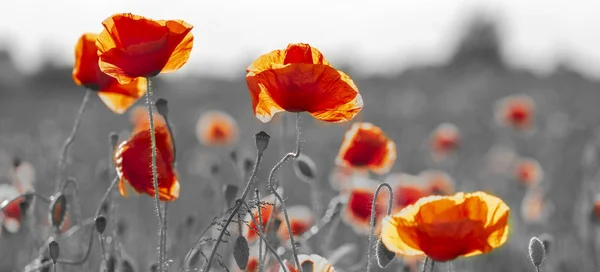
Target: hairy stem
[(425, 263), (372, 224), (236, 209), (262, 239), (163, 235), (273, 190), (103, 251), (260, 231), (154, 170)]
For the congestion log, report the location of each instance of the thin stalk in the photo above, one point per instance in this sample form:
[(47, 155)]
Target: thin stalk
[(236, 209), (315, 198), (164, 235), (75, 185), (262, 238), (450, 267), (154, 170), (268, 226), (271, 187), (103, 251), (260, 231), (425, 263), (70, 139), (432, 265), (372, 224), (332, 210)]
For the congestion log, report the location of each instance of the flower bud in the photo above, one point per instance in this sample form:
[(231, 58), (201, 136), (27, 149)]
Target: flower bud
[(384, 255), (162, 107), (305, 168), (262, 141), (54, 250), (113, 139), (241, 252), (536, 251), (58, 210), (100, 223)]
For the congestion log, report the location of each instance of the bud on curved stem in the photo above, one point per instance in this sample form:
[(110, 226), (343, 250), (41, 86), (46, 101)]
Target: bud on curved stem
[(373, 210), (537, 253), (262, 141), (100, 223)]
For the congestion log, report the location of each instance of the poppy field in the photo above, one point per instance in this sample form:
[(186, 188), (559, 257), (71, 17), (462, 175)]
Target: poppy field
[(296, 165)]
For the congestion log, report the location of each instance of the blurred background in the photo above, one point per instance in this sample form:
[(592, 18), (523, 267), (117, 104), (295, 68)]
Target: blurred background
[(417, 64)]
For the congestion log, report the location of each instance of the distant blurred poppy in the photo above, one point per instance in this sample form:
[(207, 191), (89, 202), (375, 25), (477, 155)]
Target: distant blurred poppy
[(312, 262), (298, 79), (528, 171), (86, 72), (137, 114), (516, 111), (366, 146), (11, 216), (341, 176), (267, 210), (301, 220), (444, 140), (357, 211), (133, 161), (447, 227), (132, 46), (407, 189), (438, 182), (215, 128), (534, 207)]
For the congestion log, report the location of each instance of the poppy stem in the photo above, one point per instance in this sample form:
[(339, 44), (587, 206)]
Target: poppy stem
[(154, 170), (372, 224), (262, 238), (236, 209), (425, 263), (273, 190), (65, 148), (450, 267), (260, 231), (103, 251), (432, 265), (164, 235)]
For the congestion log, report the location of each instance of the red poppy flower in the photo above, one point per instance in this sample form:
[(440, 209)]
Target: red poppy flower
[(447, 227), (357, 212), (301, 220), (215, 128), (298, 79), (444, 140), (534, 207), (407, 189), (516, 111), (267, 210), (86, 72), (528, 171), (366, 146), (133, 161), (11, 214), (132, 46)]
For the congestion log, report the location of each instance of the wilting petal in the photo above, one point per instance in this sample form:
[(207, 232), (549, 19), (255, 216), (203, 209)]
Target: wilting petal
[(299, 79), (366, 146), (216, 128), (445, 228), (132, 46)]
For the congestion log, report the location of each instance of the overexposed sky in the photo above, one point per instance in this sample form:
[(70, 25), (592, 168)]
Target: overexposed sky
[(378, 36)]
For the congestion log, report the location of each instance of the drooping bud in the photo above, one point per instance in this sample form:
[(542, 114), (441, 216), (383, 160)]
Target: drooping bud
[(262, 141), (54, 251), (162, 107), (58, 210), (230, 191), (384, 255), (113, 139), (241, 252), (536, 251), (305, 168), (100, 223)]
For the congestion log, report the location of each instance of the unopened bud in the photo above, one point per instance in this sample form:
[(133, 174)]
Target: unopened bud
[(54, 251), (262, 141), (113, 139), (241, 252), (162, 107), (58, 210), (305, 168), (383, 254), (100, 223), (230, 191), (536, 251)]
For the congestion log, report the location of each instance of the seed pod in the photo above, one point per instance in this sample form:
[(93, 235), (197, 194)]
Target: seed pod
[(536, 251), (241, 252), (58, 210), (54, 250), (305, 168), (262, 141), (113, 139), (384, 255), (100, 223), (230, 191), (162, 106)]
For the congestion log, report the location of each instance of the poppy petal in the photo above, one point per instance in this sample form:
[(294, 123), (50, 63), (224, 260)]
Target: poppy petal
[(183, 46), (120, 97), (85, 70)]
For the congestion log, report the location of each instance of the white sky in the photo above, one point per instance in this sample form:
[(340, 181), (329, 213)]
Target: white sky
[(379, 36)]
